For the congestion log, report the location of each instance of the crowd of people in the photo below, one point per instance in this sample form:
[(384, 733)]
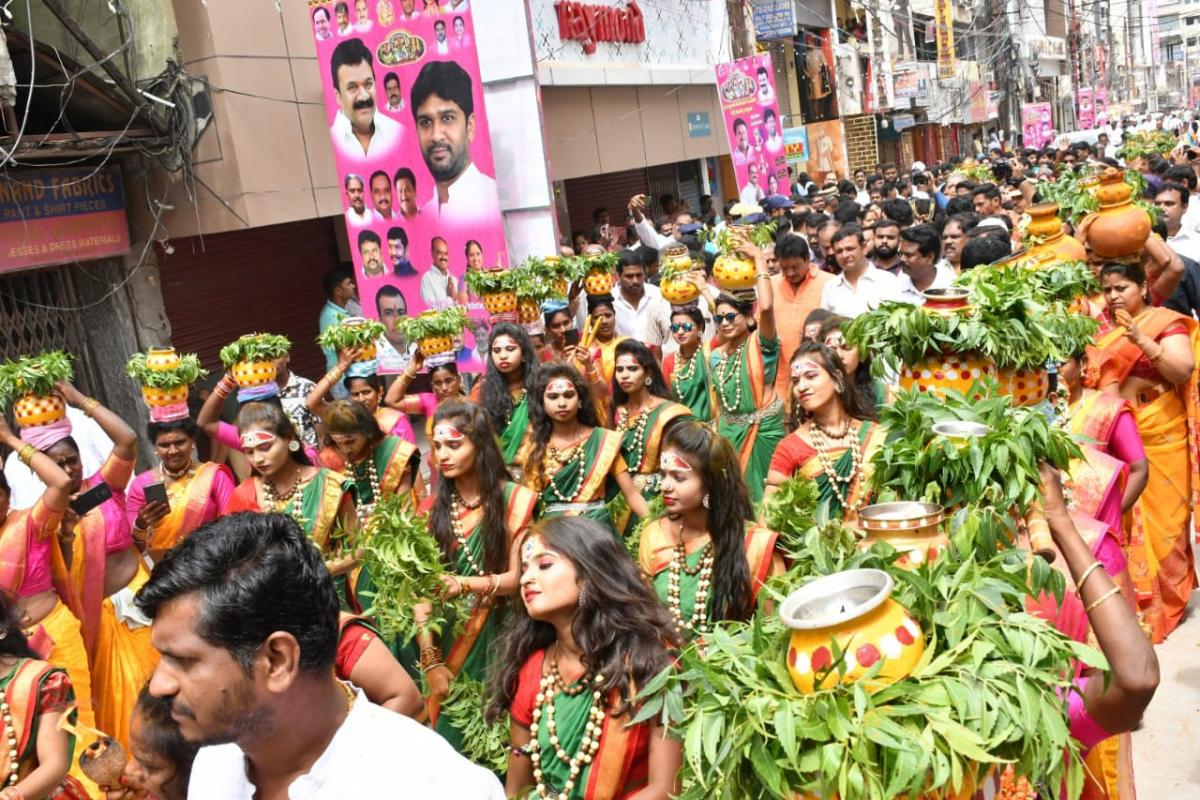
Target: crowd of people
[(599, 501)]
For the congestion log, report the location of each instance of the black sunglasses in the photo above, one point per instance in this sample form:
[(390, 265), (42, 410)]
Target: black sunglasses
[(723, 318), (686, 327)]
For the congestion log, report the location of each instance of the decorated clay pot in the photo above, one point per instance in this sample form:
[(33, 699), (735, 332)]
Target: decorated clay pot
[(854, 610), (939, 373), (734, 273), (253, 373), (161, 359), (103, 761), (1045, 225), (598, 281), (161, 398), (915, 529), (1119, 228), (528, 311), (435, 345), (677, 290), (947, 302), (1026, 387), (366, 353), (31, 410), (500, 303)]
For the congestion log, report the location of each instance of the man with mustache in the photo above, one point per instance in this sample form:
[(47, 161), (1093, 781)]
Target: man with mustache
[(391, 88), (381, 195), (438, 287), (443, 108), (246, 619), (406, 193), (357, 214), (357, 131), (886, 252), (370, 250)]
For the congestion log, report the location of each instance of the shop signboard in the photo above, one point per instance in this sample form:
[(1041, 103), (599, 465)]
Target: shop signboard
[(410, 136), (60, 215), (943, 19), (774, 19), (746, 89), (795, 144)]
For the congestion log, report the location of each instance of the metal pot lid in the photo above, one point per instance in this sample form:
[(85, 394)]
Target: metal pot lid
[(961, 429), (901, 511), (835, 599)]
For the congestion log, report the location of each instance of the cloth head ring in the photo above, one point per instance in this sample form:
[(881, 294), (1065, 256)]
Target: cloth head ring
[(445, 432), (252, 439), (43, 437), (171, 413)]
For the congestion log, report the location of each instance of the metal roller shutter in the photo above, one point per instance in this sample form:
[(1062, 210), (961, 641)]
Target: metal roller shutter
[(611, 190), (262, 279)]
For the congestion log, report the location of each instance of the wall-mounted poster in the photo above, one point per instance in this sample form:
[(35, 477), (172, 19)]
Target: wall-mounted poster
[(747, 91), (1037, 124), (411, 144), (1086, 99), (1101, 98), (826, 152), (816, 73)]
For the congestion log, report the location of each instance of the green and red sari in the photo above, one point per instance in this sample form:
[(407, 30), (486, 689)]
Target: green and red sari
[(583, 485), (33, 688), (641, 447), (691, 382), (751, 415)]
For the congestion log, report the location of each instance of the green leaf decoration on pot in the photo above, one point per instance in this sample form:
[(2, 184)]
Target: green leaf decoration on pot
[(34, 375), (349, 333), (448, 322), (183, 371), (255, 347)]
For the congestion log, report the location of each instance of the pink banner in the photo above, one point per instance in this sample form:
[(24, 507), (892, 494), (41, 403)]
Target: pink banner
[(1101, 99), (751, 110), (414, 158), (1086, 97), (1037, 123)]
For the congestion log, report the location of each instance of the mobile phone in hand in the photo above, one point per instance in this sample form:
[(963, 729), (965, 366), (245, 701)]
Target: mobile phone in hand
[(157, 493), (91, 498), (571, 337)]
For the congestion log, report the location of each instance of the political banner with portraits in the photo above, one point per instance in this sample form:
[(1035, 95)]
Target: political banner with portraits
[(410, 140), (747, 91)]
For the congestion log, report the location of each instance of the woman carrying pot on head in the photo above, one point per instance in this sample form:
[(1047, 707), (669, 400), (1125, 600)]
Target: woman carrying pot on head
[(835, 434), (587, 634), (447, 387), (197, 491), (575, 465), (477, 517), (33, 572), (1147, 357), (872, 391), (642, 415), (689, 370), (366, 387), (707, 558), (507, 390), (106, 567), (751, 414), (209, 419), (568, 345), (284, 481)]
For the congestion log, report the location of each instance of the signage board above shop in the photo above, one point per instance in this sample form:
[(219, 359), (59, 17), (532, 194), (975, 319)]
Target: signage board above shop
[(588, 23), (774, 19), (61, 215)]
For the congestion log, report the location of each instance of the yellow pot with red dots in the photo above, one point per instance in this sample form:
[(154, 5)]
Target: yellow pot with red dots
[(850, 612), (944, 371), (253, 373), (500, 303), (598, 281), (31, 410), (1026, 387), (162, 398), (734, 273), (914, 529), (161, 359), (528, 311), (435, 345)]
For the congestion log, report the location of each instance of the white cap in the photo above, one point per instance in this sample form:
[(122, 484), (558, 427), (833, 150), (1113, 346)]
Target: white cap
[(918, 166)]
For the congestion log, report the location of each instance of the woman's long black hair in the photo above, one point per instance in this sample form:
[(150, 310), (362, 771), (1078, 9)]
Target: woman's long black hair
[(729, 512), (543, 425), (495, 397), (473, 422), (623, 631), (648, 363), (14, 642), (852, 400), (864, 384)]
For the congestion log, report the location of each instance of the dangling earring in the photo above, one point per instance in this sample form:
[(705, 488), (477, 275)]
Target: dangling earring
[(839, 387), (647, 381), (294, 446), (582, 596), (704, 502)]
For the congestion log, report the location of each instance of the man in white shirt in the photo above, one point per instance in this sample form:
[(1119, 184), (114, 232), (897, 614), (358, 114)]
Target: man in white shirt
[(774, 135), (920, 264), (641, 311), (391, 90), (342, 12), (357, 131), (752, 194), (25, 487), (860, 287), (406, 193), (321, 28), (246, 619), (439, 288), (381, 196), (1172, 201), (444, 112), (357, 214), (766, 94), (644, 228), (742, 152), (442, 45), (362, 22)]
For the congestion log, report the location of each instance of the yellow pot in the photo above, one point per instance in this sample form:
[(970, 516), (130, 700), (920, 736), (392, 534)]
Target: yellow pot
[(500, 303), (367, 353), (915, 529), (1026, 387), (1045, 224), (160, 398), (435, 345), (253, 373), (161, 359), (853, 609), (734, 273), (31, 410), (528, 311), (947, 371), (598, 281), (678, 291)]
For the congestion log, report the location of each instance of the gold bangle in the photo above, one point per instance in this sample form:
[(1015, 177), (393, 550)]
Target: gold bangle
[(1087, 573), (89, 406), (464, 588), (26, 454), (1101, 599), (431, 657)]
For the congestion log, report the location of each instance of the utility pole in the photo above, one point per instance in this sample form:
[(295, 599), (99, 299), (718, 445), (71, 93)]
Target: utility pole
[(741, 21)]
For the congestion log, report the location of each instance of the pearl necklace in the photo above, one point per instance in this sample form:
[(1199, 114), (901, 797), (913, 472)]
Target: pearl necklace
[(186, 472), (10, 729), (573, 453), (821, 444), (277, 502), (638, 425), (457, 507), (552, 684), (364, 510), (678, 565), (685, 370), (727, 369)]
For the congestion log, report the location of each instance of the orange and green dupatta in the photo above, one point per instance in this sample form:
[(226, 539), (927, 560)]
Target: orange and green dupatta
[(23, 693), (870, 438), (600, 453), (185, 517)]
